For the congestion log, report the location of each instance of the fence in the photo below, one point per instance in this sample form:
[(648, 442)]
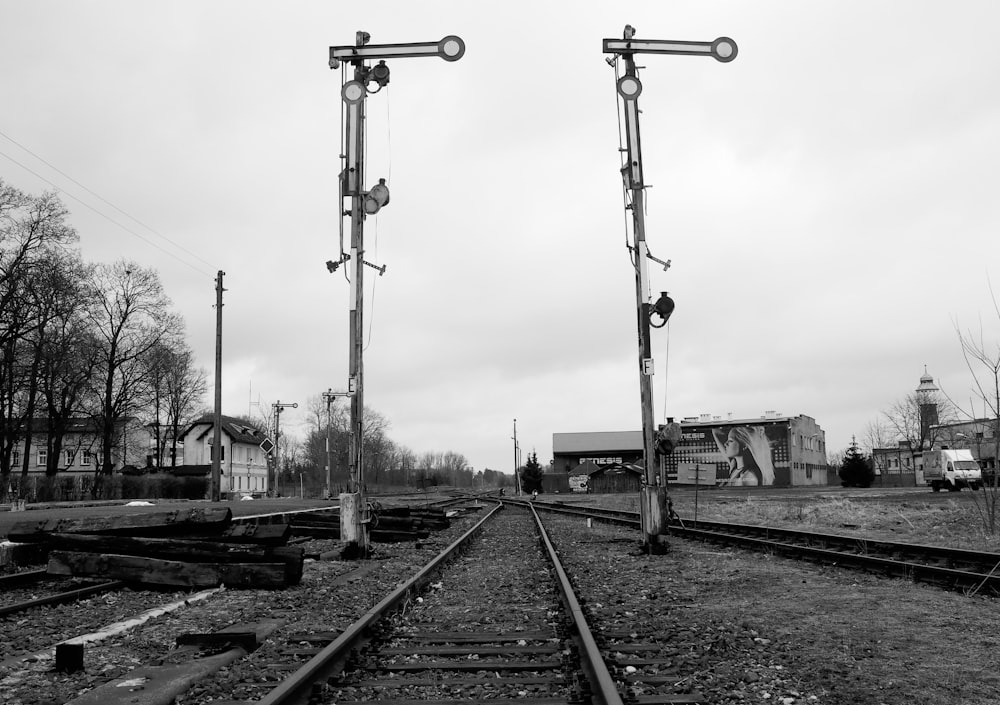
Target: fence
[(80, 487)]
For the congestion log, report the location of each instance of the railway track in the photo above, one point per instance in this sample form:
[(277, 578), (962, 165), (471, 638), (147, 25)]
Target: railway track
[(487, 626), (488, 618), (493, 618), (951, 568), (393, 629), (19, 592)]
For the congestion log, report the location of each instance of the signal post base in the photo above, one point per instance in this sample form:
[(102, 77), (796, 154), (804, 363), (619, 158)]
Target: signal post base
[(353, 530), (655, 518)]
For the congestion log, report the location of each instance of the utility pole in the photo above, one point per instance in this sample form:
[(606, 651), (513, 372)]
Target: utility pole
[(277, 408), (217, 421), (653, 494), (366, 79), (517, 462)]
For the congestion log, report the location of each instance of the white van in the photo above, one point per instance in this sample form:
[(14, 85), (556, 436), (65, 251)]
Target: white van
[(951, 469)]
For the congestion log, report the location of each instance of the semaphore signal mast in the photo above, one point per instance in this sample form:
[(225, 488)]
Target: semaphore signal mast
[(653, 499), (366, 80)]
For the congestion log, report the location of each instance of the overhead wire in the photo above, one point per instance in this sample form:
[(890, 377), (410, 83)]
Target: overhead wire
[(343, 168), (628, 204), (124, 227), (666, 370), (621, 156), (63, 191), (388, 123), (370, 308)]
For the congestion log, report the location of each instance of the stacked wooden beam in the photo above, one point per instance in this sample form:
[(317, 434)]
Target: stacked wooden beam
[(388, 525), (195, 548)]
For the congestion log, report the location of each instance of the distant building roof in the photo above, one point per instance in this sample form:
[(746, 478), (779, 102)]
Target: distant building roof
[(585, 468), (598, 440), (237, 429)]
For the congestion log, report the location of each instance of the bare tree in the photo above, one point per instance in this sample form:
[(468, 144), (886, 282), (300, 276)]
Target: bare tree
[(877, 434), (454, 464), (178, 389), (32, 230), (905, 419), (65, 356), (982, 358), (405, 462), (131, 316), (377, 445)]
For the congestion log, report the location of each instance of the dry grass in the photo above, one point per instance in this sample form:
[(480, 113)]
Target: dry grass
[(840, 637), (823, 635), (854, 638), (942, 520)]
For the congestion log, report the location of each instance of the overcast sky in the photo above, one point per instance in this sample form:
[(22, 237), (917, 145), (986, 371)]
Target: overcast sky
[(829, 200)]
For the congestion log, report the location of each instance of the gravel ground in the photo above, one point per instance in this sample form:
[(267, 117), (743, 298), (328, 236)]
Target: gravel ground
[(752, 628), (501, 585), (331, 595)]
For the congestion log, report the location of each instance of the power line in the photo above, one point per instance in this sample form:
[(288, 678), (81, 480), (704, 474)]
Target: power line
[(102, 214)]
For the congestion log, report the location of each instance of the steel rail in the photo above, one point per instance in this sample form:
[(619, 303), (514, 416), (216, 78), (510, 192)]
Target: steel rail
[(611, 516), (298, 686), (953, 556), (959, 579), (25, 576), (850, 551), (59, 598), (603, 687)]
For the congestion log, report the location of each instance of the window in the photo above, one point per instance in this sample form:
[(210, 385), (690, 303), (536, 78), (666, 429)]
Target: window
[(85, 458), (68, 458), (43, 458), (15, 458)]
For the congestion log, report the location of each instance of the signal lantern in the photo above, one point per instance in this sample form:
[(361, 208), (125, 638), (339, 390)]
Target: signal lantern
[(667, 437), (380, 74), (376, 198), (663, 307)]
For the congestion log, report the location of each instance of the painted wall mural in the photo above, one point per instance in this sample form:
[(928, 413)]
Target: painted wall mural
[(732, 455)]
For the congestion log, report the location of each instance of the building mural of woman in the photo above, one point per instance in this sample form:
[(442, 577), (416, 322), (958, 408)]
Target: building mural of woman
[(748, 453)]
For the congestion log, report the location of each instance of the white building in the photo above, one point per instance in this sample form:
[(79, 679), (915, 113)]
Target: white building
[(243, 461)]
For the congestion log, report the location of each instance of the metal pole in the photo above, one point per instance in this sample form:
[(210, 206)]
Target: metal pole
[(353, 529), (353, 522), (517, 476), (217, 422), (277, 448), (329, 451), (278, 408), (653, 494), (697, 485)]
